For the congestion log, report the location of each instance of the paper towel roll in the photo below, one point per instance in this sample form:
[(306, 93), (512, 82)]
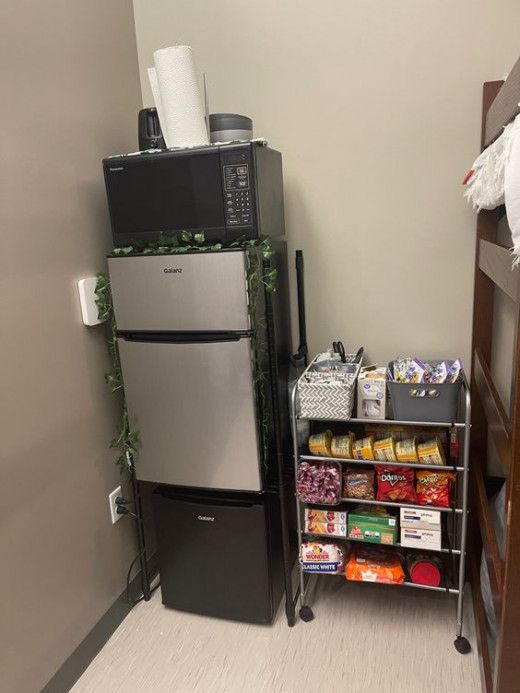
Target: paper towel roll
[(180, 97), (152, 78)]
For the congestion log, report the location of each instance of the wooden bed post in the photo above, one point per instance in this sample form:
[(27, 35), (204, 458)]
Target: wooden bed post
[(493, 268)]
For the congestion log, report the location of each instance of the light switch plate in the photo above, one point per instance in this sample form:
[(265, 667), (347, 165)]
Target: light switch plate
[(87, 299)]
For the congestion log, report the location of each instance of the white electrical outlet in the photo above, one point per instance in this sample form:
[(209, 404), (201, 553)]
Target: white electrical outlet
[(112, 503)]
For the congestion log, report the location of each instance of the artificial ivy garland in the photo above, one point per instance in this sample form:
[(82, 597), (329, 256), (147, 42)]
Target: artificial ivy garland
[(126, 440)]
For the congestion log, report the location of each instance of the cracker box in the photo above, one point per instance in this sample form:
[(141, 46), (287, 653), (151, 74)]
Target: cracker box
[(326, 529), (415, 518), (374, 527), (325, 515), (421, 538), (371, 393)]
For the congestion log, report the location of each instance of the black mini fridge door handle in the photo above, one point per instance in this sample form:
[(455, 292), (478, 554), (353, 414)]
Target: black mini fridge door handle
[(184, 337)]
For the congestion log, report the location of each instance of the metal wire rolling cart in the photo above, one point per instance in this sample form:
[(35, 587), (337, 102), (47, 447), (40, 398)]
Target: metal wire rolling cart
[(454, 539)]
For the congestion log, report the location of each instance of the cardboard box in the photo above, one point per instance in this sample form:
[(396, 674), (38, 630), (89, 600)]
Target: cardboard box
[(421, 538), (326, 529), (325, 515), (415, 518), (371, 393), (372, 527)]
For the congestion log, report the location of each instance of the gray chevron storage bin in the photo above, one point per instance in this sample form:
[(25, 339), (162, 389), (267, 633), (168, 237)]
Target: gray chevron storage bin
[(328, 393)]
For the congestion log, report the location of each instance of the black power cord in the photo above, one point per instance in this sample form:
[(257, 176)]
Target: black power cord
[(121, 504), (130, 601), (121, 510)]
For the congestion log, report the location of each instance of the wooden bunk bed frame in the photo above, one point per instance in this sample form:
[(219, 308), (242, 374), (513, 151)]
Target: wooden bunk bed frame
[(493, 268)]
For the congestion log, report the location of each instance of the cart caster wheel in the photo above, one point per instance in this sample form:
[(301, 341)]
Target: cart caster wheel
[(306, 614), (462, 645)]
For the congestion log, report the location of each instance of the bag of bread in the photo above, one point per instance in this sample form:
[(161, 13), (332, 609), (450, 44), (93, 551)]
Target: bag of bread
[(319, 557)]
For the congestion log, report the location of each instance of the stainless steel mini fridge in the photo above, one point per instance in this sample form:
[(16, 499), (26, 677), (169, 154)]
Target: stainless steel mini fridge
[(185, 349), (186, 340)]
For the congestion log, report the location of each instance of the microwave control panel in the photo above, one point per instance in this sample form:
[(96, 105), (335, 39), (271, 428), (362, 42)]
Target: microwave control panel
[(238, 204)]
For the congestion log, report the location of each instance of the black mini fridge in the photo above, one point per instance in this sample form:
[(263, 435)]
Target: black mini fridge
[(220, 554)]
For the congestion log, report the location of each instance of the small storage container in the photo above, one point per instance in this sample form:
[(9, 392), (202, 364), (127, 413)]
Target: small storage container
[(325, 397), (425, 401)]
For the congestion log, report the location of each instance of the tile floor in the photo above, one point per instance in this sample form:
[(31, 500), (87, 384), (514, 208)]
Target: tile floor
[(364, 639)]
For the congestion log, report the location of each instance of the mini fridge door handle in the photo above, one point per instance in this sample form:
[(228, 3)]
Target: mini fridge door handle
[(183, 337)]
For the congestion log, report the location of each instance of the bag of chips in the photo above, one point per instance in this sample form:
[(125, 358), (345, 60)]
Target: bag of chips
[(359, 483), (396, 484), (369, 564), (434, 488)]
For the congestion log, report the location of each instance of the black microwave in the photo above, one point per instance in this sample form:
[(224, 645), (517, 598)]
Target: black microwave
[(224, 191)]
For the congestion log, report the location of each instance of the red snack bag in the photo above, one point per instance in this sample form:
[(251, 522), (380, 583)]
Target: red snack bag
[(396, 484), (434, 488)]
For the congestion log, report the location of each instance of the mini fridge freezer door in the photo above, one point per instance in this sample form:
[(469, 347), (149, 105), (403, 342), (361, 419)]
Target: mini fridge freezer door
[(193, 405), (215, 556), (191, 292)]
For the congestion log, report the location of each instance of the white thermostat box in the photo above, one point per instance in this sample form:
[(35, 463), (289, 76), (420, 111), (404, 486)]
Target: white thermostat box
[(87, 299)]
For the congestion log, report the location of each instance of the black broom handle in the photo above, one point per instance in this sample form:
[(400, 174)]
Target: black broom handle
[(302, 349)]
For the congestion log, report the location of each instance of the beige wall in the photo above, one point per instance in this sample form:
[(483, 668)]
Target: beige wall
[(376, 108), (70, 94)]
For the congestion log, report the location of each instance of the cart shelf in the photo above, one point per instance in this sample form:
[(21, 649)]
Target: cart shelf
[(376, 463), (406, 583), (393, 504), (422, 424), (451, 590), (321, 537)]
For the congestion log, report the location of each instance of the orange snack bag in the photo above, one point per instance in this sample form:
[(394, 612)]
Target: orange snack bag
[(373, 564), (434, 488)]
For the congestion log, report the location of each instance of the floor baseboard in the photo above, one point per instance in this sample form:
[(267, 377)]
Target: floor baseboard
[(76, 664)]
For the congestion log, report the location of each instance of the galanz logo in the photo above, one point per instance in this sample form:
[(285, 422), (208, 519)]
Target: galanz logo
[(172, 270)]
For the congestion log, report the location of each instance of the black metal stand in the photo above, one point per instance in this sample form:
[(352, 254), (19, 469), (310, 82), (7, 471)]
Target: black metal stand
[(141, 542), (281, 486)]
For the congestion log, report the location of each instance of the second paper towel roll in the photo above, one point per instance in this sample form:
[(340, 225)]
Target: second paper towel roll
[(181, 101)]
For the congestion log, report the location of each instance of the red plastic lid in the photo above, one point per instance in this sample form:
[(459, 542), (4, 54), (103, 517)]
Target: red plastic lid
[(426, 573)]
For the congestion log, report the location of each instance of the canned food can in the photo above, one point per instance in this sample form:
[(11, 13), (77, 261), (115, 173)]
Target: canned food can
[(364, 448), (384, 450), (431, 452), (406, 450), (343, 446), (319, 444)]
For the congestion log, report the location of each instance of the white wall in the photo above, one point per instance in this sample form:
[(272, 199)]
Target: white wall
[(376, 109)]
